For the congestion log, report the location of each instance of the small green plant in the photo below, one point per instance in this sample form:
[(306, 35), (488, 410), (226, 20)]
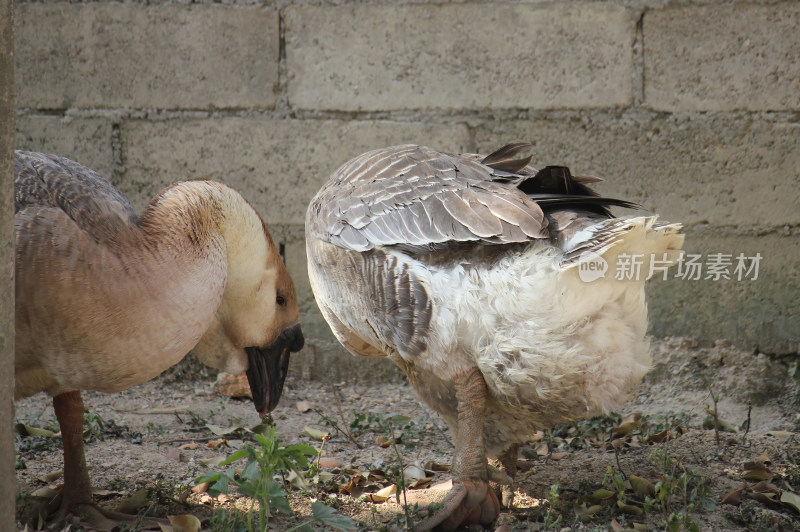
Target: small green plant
[(151, 429), (553, 517), (657, 423), (678, 492), (615, 482), (197, 420), (257, 480), (96, 428)]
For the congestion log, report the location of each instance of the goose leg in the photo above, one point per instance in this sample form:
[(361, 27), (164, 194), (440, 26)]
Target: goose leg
[(77, 488), (508, 464), (471, 500), (76, 495)]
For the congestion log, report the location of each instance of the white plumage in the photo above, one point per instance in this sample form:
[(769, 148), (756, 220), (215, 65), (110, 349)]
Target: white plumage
[(466, 272)]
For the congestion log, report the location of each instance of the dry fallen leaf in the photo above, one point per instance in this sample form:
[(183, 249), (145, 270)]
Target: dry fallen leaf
[(586, 513), (436, 467), (133, 503), (780, 434), (44, 493), (216, 444), (768, 499), (537, 436), (304, 406), (629, 509), (542, 449), (202, 487), (100, 493), (629, 423), (296, 481), (756, 471), (558, 456), (354, 488), (382, 495), (765, 487), (642, 486), (414, 472), (661, 437), (189, 446), (791, 499), (734, 497), (315, 433), (50, 477), (599, 495), (184, 523), (421, 483), (27, 430)]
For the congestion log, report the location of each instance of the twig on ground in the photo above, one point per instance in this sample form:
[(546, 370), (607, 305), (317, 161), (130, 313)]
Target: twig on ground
[(336, 426), (341, 415), (409, 524), (716, 416), (184, 440), (747, 423)]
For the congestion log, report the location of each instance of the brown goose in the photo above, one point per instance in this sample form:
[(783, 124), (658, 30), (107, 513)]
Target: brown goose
[(483, 280), (106, 298)]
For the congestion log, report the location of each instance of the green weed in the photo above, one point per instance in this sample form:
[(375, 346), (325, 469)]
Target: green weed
[(257, 481), (678, 492)]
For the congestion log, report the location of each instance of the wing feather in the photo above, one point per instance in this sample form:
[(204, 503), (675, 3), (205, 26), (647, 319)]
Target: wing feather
[(418, 198)]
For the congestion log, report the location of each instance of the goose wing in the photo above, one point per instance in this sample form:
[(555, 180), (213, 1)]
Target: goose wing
[(421, 199), (45, 182), (416, 197)]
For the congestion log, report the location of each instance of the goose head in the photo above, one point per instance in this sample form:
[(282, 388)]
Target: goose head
[(256, 326)]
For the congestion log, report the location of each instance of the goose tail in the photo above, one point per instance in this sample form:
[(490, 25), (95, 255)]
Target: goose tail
[(624, 249)]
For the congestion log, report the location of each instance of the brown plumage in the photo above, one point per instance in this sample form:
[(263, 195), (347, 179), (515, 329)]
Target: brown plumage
[(106, 299)]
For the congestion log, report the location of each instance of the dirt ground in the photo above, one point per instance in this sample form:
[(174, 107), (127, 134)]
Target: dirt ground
[(661, 470)]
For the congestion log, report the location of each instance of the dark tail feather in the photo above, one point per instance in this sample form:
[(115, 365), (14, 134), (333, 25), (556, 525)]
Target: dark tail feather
[(555, 187), (561, 200), (552, 187), (503, 159)]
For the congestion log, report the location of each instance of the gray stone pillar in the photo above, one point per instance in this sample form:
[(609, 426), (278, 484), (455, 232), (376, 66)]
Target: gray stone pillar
[(8, 479)]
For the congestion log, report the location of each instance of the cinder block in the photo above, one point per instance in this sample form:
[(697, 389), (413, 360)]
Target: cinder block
[(459, 56), (85, 140), (715, 170), (759, 313), (110, 55), (277, 165), (722, 57)]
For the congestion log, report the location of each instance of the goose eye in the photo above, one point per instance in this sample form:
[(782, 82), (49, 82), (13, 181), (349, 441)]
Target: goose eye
[(280, 300)]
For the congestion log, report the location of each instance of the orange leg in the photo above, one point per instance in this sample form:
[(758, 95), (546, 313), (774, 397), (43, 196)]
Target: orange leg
[(508, 464), (76, 495), (471, 501), (77, 486)]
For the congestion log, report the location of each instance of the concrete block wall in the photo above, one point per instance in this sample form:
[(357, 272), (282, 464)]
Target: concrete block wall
[(690, 108)]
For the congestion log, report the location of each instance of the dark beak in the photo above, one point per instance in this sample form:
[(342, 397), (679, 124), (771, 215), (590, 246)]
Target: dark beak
[(268, 366)]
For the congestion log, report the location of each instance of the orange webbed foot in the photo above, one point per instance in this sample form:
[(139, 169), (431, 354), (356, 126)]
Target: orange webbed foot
[(470, 502)]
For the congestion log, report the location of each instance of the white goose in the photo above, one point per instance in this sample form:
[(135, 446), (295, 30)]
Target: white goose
[(465, 271), (106, 299)]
